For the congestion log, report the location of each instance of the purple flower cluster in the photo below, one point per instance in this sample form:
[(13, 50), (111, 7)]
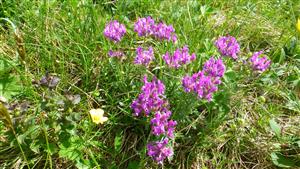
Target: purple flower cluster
[(150, 99), (159, 151), (180, 57), (143, 57), (148, 27), (161, 125), (259, 63), (228, 46), (200, 84), (214, 68), (117, 54), (163, 31), (114, 31), (143, 26), (205, 82)]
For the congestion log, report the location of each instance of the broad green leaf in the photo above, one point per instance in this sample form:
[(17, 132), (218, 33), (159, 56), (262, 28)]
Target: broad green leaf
[(70, 153), (81, 165), (282, 161), (118, 142), (8, 83), (275, 127)]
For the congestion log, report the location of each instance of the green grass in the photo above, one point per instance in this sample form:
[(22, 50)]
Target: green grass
[(252, 122)]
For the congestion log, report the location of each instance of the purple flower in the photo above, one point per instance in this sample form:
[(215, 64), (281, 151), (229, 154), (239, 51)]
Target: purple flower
[(180, 57), (159, 151), (215, 69), (163, 31), (143, 57), (148, 27), (151, 98), (115, 53), (259, 63), (201, 84), (228, 46), (143, 26), (114, 31), (161, 125)]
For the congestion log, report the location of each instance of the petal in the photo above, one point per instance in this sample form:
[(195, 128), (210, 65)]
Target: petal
[(103, 119)]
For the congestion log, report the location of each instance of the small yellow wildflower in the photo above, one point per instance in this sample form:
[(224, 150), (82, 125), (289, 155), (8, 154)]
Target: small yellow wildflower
[(298, 25), (97, 116)]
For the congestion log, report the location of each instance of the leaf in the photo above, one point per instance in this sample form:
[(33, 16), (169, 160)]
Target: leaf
[(70, 153), (80, 165), (282, 56), (275, 127), (133, 165), (118, 142), (8, 83), (282, 161)]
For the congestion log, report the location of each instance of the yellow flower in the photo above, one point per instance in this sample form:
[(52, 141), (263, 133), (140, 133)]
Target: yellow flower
[(97, 116), (298, 25)]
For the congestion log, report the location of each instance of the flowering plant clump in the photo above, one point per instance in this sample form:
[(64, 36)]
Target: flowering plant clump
[(259, 63), (180, 57), (228, 46), (144, 57), (205, 82), (152, 102), (114, 31), (159, 151), (151, 98), (143, 26), (148, 27), (117, 54)]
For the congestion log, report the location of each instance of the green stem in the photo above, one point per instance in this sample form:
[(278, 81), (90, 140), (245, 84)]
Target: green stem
[(20, 147), (48, 147), (94, 159)]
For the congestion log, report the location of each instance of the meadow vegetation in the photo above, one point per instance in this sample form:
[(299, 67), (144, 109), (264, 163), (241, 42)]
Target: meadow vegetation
[(74, 94)]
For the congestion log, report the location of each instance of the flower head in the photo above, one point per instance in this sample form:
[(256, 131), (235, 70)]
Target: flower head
[(148, 27), (228, 46), (201, 84), (298, 25), (179, 58), (159, 151), (259, 63), (215, 69), (144, 57), (117, 54), (161, 125), (97, 116), (163, 31), (151, 98), (114, 31), (143, 26)]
